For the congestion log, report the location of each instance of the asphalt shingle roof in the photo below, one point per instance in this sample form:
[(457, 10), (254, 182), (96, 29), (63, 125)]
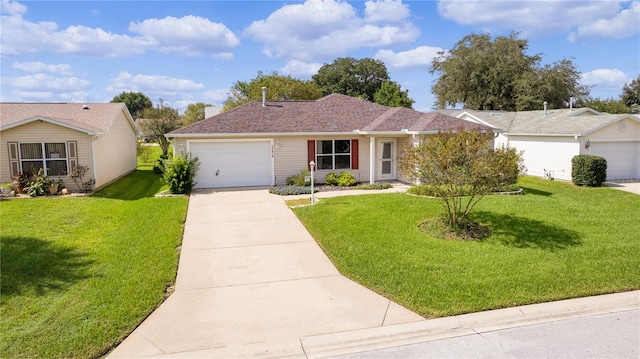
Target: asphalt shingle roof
[(330, 114), (98, 118)]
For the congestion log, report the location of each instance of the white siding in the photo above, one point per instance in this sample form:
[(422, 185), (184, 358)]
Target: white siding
[(40, 131), (620, 146), (115, 152), (542, 153)]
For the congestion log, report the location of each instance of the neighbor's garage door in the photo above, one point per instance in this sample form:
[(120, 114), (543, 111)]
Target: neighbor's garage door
[(233, 164), (623, 158)]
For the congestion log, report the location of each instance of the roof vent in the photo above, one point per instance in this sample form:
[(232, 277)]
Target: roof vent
[(264, 96), (545, 107), (85, 107)]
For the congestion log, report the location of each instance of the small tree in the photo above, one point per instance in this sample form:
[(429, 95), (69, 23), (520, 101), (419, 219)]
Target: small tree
[(462, 168), (157, 122), (180, 172)]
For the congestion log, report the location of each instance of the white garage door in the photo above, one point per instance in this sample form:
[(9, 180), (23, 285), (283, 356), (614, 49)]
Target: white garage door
[(233, 164), (623, 158)]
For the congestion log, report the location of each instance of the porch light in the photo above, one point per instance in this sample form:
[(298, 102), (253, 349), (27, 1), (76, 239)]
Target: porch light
[(311, 166), (588, 144)]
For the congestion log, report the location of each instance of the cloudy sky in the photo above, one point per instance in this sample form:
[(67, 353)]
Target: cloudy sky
[(193, 51)]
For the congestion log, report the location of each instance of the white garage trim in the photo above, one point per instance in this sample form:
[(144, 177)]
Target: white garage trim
[(233, 163), (623, 158)]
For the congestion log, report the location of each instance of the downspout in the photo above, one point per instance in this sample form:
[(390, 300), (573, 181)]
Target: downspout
[(372, 161)]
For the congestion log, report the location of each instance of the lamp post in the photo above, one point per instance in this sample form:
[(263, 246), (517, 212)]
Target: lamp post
[(311, 165)]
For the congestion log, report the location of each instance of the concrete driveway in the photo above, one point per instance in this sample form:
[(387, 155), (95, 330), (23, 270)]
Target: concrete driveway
[(251, 283)]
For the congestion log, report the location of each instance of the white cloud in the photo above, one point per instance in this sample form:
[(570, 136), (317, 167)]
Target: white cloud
[(623, 24), (300, 68), (324, 29), (421, 56), (190, 35), (38, 66), (386, 11), (532, 18), (12, 8), (152, 83), (42, 82), (605, 79), (216, 96)]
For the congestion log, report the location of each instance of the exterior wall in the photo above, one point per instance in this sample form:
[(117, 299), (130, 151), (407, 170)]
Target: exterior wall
[(290, 156), (115, 152), (619, 145), (547, 153), (40, 131), (615, 134)]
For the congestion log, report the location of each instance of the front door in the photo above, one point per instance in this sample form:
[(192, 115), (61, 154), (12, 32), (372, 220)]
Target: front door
[(386, 163)]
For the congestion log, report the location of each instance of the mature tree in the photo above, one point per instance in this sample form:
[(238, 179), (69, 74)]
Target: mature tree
[(484, 74), (279, 87), (194, 113), (631, 94), (556, 84), (136, 102), (608, 105), (157, 122), (462, 168), (348, 76), (391, 94)]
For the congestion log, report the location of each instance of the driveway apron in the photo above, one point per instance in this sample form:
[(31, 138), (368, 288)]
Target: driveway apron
[(251, 283)]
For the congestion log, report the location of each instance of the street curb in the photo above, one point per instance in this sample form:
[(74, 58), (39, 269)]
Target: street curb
[(335, 344)]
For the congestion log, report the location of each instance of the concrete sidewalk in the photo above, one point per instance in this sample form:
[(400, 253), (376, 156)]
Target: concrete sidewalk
[(252, 283)]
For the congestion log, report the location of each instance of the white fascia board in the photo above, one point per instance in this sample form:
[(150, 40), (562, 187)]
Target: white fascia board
[(51, 121), (544, 134), (260, 134)]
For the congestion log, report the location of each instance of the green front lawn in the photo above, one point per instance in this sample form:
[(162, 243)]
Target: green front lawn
[(555, 242), (80, 273)]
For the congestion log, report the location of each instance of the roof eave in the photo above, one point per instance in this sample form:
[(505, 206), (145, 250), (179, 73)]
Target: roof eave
[(51, 121)]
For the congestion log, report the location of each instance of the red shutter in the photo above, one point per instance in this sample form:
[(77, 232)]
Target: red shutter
[(311, 152), (354, 154)]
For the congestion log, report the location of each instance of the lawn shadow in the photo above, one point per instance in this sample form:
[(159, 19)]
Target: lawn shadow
[(522, 232), (535, 192), (136, 185), (38, 266)]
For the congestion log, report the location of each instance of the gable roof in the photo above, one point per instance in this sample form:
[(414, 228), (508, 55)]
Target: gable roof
[(578, 122), (334, 113), (92, 119)]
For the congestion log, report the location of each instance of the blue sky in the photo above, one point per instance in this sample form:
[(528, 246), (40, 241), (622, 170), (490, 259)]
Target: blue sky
[(193, 51)]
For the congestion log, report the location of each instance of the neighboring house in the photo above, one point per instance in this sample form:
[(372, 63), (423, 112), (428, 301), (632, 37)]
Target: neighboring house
[(59, 137), (550, 139), (263, 143)]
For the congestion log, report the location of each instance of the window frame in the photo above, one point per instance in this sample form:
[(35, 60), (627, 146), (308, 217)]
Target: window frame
[(44, 160), (332, 155)]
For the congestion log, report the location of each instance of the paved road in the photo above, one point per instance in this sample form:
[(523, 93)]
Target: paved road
[(615, 335)]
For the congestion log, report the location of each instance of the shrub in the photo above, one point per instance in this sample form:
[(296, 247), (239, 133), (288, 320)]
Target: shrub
[(299, 179), (179, 173), (158, 165), (289, 190), (588, 170), (346, 179), (77, 175), (331, 179), (374, 186), (40, 184)]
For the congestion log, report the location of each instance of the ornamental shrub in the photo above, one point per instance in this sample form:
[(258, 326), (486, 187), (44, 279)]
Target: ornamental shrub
[(158, 165), (346, 179), (179, 173), (374, 186), (299, 179), (331, 179), (588, 170)]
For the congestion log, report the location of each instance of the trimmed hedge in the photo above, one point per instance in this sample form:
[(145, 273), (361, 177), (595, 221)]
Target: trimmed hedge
[(588, 170)]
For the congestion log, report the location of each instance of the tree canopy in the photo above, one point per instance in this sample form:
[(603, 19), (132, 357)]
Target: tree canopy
[(391, 94), (279, 87), (194, 113), (609, 105), (360, 78), (157, 122), (482, 73), (631, 94), (136, 102)]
